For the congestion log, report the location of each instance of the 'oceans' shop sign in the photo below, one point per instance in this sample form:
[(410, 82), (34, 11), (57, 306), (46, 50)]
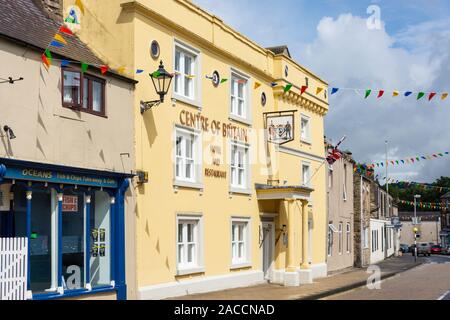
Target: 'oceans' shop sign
[(59, 177)]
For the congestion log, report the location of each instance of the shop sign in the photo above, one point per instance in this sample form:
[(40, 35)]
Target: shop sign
[(70, 204), (52, 176)]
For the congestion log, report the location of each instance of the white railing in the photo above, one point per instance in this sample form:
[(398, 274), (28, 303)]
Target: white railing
[(13, 268)]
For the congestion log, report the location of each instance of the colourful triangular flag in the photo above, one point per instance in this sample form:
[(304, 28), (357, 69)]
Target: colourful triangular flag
[(334, 90), (273, 84), (80, 5), (303, 89), (48, 54), (368, 92), (65, 30), (444, 96), (45, 61), (380, 94), (59, 38), (257, 85), (64, 63), (431, 96), (56, 44), (156, 74), (408, 93), (287, 88), (223, 80), (104, 69), (395, 93), (420, 95), (139, 71), (318, 91), (84, 67)]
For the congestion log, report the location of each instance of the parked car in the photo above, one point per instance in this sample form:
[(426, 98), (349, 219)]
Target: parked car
[(424, 248), (446, 250), (437, 249), (404, 248)]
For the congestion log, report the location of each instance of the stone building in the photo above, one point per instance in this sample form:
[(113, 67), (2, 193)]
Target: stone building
[(362, 214)]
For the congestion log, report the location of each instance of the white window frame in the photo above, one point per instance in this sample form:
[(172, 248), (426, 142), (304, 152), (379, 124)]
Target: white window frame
[(305, 136), (246, 116), (195, 98), (198, 265), (344, 195), (366, 238), (330, 239), (197, 181), (246, 260), (348, 237), (245, 187), (341, 238), (308, 182)]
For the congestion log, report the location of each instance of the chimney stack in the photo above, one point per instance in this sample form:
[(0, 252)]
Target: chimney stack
[(53, 8)]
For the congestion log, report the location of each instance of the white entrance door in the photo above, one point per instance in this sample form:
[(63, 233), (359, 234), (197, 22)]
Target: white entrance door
[(268, 248)]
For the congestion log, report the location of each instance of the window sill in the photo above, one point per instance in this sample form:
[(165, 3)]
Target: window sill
[(72, 293), (235, 190), (244, 265), (187, 184), (185, 272), (241, 120), (308, 142), (193, 103)]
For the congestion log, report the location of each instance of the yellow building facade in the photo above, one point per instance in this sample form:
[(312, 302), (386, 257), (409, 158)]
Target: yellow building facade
[(223, 206)]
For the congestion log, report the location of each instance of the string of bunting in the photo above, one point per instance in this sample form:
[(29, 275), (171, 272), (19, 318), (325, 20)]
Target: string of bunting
[(380, 93), (411, 160), (425, 205)]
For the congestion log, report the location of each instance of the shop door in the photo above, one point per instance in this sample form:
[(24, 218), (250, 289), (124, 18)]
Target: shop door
[(268, 248)]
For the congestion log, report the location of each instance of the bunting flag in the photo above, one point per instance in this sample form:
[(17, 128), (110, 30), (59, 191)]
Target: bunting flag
[(48, 54), (60, 39), (273, 84), (444, 96), (192, 76), (139, 71), (104, 69), (424, 205), (426, 186), (64, 63), (368, 92), (287, 88), (45, 61), (303, 89), (420, 95), (431, 96), (80, 5), (395, 93), (380, 94), (257, 85), (334, 90), (121, 69), (223, 80), (318, 91), (412, 160), (64, 29), (408, 93), (56, 44), (84, 67)]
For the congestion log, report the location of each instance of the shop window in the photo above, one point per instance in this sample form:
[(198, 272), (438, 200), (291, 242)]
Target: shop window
[(73, 248), (240, 241), (83, 92), (100, 238), (240, 103), (239, 166)]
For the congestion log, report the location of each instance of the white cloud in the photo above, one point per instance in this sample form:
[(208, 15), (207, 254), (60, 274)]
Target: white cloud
[(348, 54)]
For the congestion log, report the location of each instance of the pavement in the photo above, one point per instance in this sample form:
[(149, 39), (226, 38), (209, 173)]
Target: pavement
[(319, 289), (429, 281)]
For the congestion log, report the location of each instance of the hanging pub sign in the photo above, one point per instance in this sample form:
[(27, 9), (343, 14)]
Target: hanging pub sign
[(280, 126)]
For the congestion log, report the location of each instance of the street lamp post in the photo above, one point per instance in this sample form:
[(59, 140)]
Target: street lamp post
[(161, 81), (417, 196)]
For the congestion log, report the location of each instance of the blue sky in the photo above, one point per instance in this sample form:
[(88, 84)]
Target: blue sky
[(409, 52)]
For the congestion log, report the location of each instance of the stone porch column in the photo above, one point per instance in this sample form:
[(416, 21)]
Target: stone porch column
[(290, 253), (305, 236)]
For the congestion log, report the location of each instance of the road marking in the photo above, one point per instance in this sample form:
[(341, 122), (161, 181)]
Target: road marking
[(444, 295)]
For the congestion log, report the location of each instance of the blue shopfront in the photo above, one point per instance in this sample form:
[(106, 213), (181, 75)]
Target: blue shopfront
[(74, 220)]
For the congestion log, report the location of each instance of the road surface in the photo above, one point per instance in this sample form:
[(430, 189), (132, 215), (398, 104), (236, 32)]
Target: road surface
[(430, 281)]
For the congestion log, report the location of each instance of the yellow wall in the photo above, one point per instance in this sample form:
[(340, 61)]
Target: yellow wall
[(123, 36)]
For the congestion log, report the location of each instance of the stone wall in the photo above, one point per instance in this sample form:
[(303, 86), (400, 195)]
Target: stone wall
[(53, 8)]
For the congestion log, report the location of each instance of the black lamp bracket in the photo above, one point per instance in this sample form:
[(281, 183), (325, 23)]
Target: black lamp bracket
[(145, 106)]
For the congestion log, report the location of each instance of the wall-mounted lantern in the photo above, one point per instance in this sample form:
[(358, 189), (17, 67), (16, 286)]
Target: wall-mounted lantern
[(161, 81)]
